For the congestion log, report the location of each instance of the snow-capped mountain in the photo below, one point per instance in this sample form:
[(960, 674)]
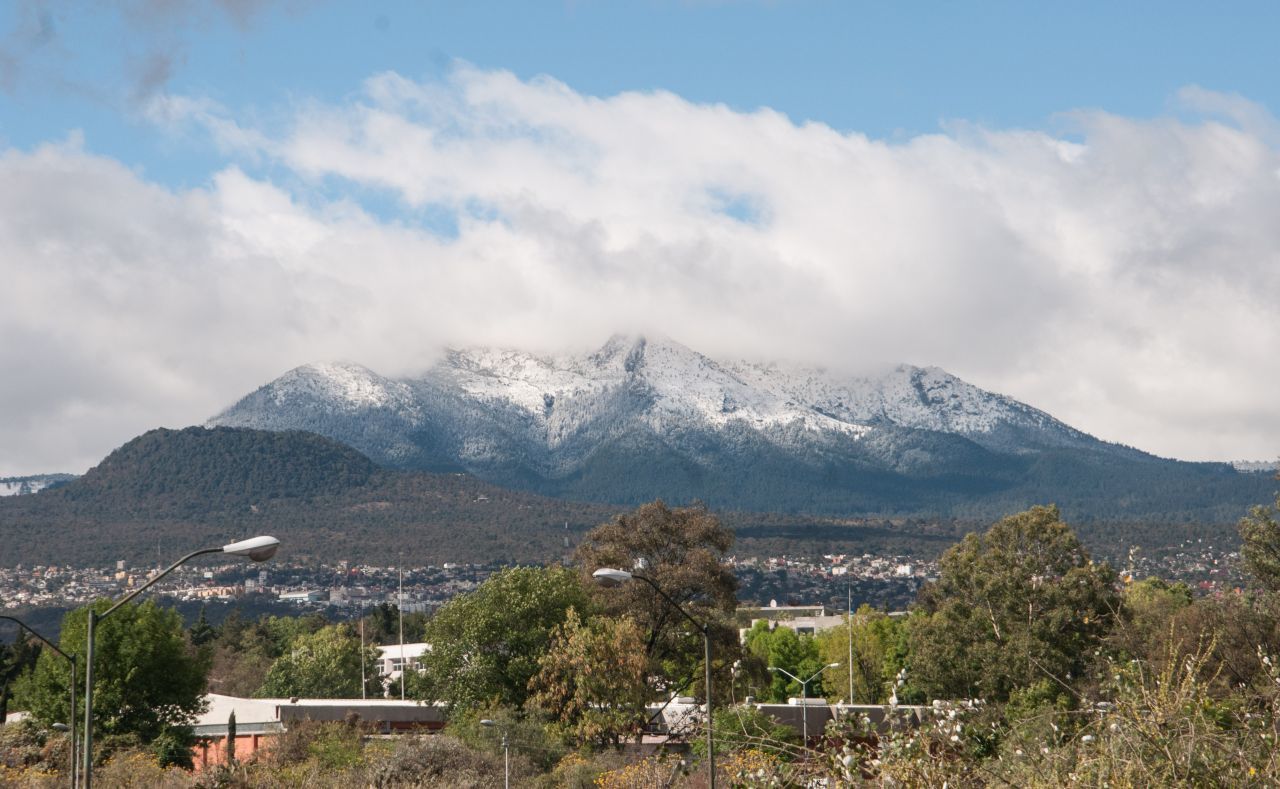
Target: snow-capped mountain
[(641, 417), (24, 486)]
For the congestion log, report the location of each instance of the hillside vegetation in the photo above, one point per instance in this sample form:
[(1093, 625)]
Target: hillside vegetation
[(171, 490)]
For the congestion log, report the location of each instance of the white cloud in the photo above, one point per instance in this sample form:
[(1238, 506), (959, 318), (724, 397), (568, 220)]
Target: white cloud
[(1122, 276)]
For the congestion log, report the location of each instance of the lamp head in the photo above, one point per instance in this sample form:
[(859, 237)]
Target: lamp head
[(607, 576), (833, 665), (259, 549), (488, 722)]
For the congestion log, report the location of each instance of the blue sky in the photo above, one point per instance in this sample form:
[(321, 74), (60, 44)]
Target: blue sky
[(889, 70), (1072, 204)]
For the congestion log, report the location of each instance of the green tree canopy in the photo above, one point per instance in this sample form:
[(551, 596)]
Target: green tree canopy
[(486, 644), (877, 641), (15, 659), (382, 625), (683, 551), (323, 664), (784, 648), (202, 632), (593, 679), (146, 678), (1149, 618), (1019, 604), (1260, 537)]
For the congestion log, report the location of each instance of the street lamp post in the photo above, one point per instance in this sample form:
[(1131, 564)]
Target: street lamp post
[(506, 752), (259, 549), (804, 694), (607, 576), (72, 660)]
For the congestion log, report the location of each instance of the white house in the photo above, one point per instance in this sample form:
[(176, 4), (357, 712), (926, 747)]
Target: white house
[(392, 659)]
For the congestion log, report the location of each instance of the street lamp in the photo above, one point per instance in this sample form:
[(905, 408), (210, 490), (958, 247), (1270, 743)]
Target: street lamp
[(609, 577), (804, 694), (72, 660), (259, 549), (506, 752)]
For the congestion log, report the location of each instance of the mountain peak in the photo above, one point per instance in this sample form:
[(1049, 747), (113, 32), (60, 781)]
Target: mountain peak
[(351, 386), (658, 418)]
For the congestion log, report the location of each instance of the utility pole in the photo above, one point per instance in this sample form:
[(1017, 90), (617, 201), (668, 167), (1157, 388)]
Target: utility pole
[(849, 620), (400, 610)]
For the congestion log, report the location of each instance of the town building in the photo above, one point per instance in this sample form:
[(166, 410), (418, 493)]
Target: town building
[(259, 721)]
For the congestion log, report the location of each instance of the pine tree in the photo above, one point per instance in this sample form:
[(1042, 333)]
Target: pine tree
[(202, 632)]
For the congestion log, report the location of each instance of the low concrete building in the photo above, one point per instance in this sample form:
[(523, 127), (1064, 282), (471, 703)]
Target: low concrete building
[(258, 721), (805, 619), (303, 597)]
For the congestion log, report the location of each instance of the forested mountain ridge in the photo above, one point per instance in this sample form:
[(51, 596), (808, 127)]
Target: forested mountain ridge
[(173, 490), (170, 491), (194, 470), (640, 419)]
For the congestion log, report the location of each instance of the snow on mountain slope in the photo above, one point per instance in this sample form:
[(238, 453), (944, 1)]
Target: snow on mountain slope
[(491, 408), (689, 388), (25, 486), (920, 398), (643, 418), (346, 386), (345, 402), (684, 387)]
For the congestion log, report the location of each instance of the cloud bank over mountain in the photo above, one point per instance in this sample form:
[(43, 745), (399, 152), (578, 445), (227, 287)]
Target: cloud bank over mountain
[(1119, 273)]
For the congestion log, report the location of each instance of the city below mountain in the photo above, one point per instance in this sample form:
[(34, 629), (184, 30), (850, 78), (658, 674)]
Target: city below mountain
[(642, 419)]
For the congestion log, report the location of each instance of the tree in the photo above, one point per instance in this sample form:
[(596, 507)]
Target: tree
[(1260, 535), (592, 679), (15, 659), (1150, 619), (231, 738), (323, 664), (743, 728), (382, 625), (244, 651), (147, 680), (485, 645), (784, 648), (1019, 604), (875, 638), (682, 550), (202, 632)]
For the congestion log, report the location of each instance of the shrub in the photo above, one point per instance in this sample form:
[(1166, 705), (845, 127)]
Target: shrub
[(652, 771), (22, 744), (441, 761), (577, 771), (333, 745), (528, 734), (137, 769), (738, 728)]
